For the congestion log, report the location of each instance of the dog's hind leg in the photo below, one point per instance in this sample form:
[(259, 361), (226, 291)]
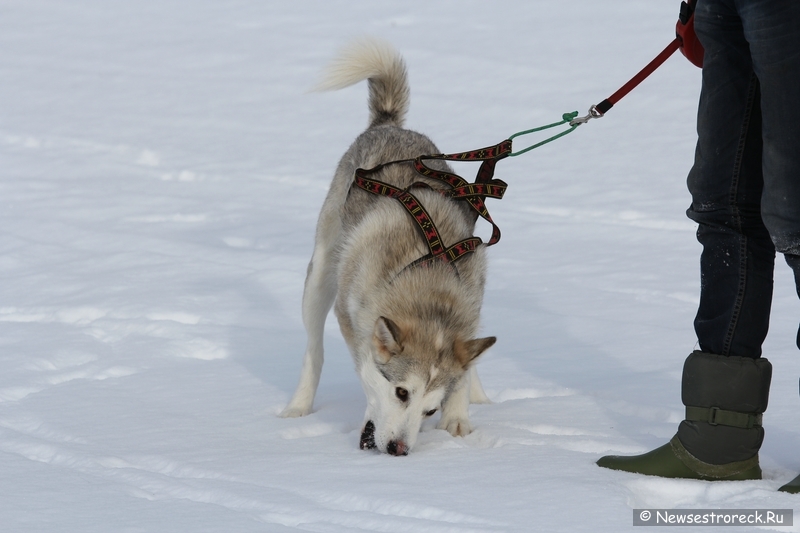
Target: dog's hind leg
[(318, 297)]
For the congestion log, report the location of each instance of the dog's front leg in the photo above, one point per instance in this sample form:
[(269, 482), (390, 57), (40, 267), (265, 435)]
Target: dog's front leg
[(455, 410), (318, 297), (476, 393)]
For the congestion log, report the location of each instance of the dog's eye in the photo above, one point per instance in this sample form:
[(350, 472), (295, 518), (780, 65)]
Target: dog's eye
[(431, 412), (401, 393)]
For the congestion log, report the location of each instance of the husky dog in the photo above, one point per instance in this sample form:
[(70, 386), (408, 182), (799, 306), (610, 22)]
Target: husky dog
[(410, 329)]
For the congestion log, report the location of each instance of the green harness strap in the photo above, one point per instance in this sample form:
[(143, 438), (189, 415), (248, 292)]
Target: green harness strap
[(567, 118)]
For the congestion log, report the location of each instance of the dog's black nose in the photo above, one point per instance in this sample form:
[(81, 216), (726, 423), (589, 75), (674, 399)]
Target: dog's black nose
[(368, 436), (397, 447)]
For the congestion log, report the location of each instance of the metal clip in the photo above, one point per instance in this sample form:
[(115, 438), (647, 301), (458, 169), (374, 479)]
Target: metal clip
[(593, 113)]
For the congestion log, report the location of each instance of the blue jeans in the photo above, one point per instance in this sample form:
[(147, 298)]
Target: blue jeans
[(745, 182)]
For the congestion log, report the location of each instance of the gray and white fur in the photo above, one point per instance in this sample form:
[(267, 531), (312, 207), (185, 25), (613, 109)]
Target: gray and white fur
[(411, 331)]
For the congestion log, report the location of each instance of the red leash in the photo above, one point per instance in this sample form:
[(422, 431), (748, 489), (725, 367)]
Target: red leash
[(609, 102), (685, 41)]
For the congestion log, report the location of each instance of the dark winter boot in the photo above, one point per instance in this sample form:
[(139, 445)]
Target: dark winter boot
[(721, 435), (793, 486)]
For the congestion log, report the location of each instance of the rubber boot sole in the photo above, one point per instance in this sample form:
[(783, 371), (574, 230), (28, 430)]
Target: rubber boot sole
[(673, 461)]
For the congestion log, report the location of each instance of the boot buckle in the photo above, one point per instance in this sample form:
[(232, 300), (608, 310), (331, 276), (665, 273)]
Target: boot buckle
[(712, 416)]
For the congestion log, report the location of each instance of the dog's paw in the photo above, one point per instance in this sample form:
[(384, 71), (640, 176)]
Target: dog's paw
[(457, 427), (294, 412)]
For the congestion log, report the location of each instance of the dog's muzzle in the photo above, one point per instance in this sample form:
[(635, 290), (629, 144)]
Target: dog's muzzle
[(397, 448)]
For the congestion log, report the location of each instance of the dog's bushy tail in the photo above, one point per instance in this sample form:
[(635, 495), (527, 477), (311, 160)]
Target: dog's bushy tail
[(377, 61)]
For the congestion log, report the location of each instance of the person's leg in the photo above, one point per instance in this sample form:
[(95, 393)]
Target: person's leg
[(736, 270), (738, 256), (772, 29), (726, 184)]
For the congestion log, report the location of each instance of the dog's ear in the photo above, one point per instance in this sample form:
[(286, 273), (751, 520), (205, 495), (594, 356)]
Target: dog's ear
[(387, 338), (467, 352)]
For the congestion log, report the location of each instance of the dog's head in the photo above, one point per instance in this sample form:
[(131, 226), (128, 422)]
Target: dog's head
[(411, 371)]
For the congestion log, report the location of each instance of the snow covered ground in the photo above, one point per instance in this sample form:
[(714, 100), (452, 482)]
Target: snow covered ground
[(161, 168)]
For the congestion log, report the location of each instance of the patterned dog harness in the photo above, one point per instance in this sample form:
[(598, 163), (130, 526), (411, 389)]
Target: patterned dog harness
[(473, 193)]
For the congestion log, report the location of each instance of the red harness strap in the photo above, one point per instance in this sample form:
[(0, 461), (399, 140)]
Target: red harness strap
[(473, 193)]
